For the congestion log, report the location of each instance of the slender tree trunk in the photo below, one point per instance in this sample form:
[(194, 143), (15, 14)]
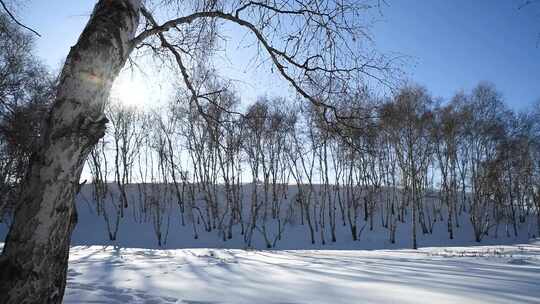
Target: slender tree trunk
[(414, 216), (35, 256)]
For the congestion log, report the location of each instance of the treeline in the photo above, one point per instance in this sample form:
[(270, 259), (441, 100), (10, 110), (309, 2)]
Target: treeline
[(26, 89), (358, 163)]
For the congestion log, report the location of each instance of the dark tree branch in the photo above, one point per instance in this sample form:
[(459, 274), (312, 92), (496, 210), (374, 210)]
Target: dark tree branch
[(15, 19), (272, 52), (195, 95)]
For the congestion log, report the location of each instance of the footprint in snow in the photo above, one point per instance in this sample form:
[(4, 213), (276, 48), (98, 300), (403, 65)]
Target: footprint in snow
[(519, 262), (73, 273)]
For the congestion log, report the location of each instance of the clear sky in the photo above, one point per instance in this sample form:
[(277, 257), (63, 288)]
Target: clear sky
[(451, 44), (457, 43)]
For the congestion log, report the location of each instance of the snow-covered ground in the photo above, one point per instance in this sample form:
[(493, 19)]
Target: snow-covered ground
[(137, 230), (132, 270), (482, 274)]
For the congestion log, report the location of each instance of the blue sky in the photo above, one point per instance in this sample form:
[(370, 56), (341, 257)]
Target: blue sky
[(454, 44), (450, 45)]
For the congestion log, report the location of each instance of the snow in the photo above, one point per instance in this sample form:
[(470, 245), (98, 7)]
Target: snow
[(481, 274), (138, 231), (371, 270)]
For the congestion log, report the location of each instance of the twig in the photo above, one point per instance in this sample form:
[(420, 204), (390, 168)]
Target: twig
[(17, 21)]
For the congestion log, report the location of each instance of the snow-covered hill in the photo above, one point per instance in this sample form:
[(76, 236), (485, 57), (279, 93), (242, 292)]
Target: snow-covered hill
[(141, 222)]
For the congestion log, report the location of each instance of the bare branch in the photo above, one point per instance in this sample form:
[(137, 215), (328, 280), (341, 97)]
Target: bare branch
[(15, 19), (183, 70)]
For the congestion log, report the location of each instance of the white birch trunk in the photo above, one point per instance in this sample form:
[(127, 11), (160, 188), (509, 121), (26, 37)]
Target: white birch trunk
[(34, 260)]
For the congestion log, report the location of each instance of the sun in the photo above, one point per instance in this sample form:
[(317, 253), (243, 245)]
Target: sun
[(131, 90)]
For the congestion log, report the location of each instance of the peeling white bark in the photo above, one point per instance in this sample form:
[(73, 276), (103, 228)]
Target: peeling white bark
[(34, 261)]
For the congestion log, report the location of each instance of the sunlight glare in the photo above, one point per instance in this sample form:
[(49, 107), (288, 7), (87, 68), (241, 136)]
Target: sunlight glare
[(131, 90)]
